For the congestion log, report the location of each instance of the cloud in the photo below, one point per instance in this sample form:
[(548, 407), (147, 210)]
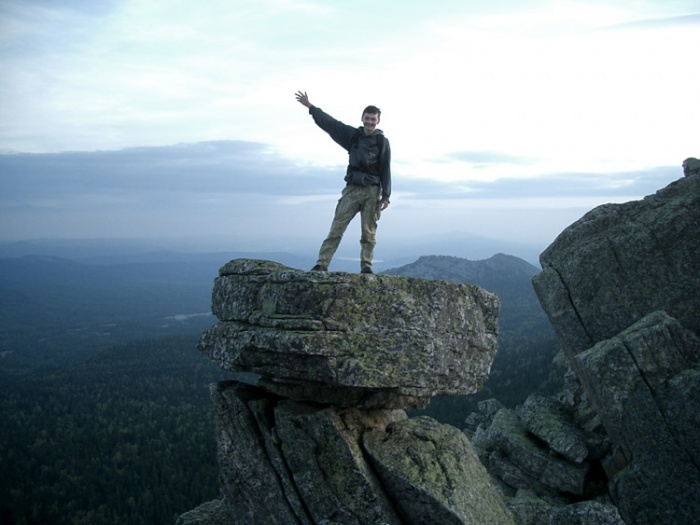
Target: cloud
[(248, 190), (211, 188), (491, 110), (535, 81), (187, 172), (190, 169), (486, 157), (651, 23)]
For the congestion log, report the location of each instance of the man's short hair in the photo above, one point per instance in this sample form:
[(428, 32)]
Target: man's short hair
[(372, 110)]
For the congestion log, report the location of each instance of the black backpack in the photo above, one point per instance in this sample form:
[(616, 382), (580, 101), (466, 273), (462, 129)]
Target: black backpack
[(381, 142)]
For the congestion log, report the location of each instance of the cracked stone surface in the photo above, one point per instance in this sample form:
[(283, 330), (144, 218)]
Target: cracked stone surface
[(349, 339), (620, 262), (289, 463), (622, 288)]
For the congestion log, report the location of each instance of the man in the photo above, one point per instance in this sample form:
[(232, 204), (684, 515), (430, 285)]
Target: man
[(368, 179)]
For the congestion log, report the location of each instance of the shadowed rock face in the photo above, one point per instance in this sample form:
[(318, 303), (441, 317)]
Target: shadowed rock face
[(313, 430), (348, 339), (294, 463), (423, 462), (621, 262), (622, 288)]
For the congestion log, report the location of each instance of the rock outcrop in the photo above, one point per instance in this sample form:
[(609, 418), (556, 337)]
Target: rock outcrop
[(350, 340), (621, 287), (313, 430), (546, 454)]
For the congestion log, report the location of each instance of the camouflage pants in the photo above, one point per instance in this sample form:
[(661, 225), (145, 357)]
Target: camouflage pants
[(354, 199)]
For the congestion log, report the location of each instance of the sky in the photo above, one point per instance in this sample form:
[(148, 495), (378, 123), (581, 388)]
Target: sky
[(508, 120)]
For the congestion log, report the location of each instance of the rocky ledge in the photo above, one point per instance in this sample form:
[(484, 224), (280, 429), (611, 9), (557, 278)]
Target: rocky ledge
[(312, 431), (351, 340), (619, 443)]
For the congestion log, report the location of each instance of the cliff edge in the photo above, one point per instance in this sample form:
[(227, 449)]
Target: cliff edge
[(621, 287)]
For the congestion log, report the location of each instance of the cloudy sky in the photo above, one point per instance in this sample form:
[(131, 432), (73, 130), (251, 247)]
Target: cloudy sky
[(508, 119)]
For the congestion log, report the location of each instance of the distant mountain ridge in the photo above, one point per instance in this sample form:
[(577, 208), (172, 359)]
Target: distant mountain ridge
[(450, 268), (390, 253), (508, 276)]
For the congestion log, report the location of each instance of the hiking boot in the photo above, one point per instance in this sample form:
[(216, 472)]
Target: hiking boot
[(319, 268)]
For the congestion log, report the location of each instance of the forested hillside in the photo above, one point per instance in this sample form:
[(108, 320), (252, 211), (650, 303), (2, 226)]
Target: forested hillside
[(103, 396), (126, 437), (55, 311)]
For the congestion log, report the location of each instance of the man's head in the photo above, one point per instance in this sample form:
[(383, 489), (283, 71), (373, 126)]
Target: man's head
[(370, 119)]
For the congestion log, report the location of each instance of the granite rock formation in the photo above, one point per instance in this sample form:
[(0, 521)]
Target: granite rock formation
[(546, 457), (312, 430), (349, 339), (619, 443), (621, 287)]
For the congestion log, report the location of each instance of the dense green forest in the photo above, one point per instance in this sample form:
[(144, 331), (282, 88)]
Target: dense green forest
[(57, 312), (104, 398), (126, 437)]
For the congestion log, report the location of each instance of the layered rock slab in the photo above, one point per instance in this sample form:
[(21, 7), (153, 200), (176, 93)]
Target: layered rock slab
[(531, 510), (348, 339), (324, 363), (522, 464)]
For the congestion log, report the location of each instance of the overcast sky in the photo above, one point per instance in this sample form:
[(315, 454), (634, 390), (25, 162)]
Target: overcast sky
[(507, 119)]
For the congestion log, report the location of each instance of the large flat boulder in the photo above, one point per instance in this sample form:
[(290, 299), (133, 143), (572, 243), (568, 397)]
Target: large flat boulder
[(348, 339), (312, 430)]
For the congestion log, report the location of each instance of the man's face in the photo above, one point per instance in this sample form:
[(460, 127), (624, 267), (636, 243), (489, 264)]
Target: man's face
[(370, 121)]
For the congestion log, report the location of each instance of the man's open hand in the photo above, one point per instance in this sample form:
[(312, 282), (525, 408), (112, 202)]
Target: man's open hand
[(303, 98)]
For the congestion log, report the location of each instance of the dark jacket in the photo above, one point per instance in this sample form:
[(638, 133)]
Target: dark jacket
[(369, 157)]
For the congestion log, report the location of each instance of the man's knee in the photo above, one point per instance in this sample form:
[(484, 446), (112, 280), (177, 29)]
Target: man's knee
[(369, 239)]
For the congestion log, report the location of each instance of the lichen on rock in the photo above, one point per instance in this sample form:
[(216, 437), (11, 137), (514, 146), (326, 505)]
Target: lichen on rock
[(362, 336), (325, 363)]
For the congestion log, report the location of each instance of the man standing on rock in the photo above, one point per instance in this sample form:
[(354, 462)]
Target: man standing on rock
[(368, 179)]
